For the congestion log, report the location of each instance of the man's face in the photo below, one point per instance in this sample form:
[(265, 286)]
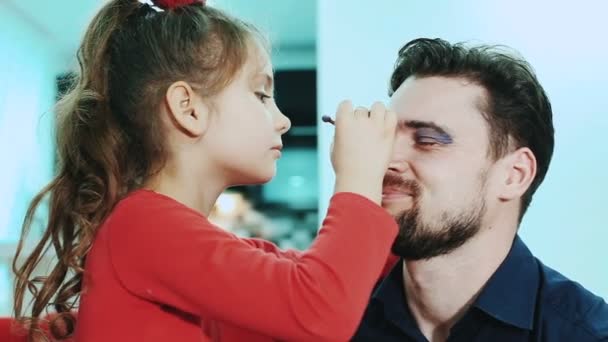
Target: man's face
[(437, 181)]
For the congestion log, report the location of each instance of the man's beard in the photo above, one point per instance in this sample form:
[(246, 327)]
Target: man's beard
[(419, 240)]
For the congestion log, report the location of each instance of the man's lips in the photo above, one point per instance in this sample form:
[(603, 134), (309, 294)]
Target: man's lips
[(395, 193)]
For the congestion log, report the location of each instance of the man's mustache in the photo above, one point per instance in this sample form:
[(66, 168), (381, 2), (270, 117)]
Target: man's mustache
[(395, 181)]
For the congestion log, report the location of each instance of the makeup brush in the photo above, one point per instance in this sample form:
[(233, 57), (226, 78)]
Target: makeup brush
[(327, 118)]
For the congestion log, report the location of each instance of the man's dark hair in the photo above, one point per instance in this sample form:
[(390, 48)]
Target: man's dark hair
[(516, 107)]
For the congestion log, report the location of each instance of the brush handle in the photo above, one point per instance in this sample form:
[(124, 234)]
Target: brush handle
[(327, 118)]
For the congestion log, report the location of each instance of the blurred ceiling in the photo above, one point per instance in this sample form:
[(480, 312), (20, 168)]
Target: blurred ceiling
[(290, 24)]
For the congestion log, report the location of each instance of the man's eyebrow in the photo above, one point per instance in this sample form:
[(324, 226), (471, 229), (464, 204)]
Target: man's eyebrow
[(443, 135), (417, 124)]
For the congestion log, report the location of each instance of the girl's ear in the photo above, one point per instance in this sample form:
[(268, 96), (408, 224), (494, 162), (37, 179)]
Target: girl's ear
[(186, 109)]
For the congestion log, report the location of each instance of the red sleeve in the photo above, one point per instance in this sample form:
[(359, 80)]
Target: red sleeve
[(270, 247), (167, 253)]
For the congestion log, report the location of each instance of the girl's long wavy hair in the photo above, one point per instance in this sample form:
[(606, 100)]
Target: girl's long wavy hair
[(110, 138)]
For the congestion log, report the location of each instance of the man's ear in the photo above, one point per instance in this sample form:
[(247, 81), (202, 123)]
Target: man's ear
[(186, 109), (519, 171)]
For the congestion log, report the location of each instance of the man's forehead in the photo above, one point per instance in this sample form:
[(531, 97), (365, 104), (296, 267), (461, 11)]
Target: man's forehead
[(446, 101)]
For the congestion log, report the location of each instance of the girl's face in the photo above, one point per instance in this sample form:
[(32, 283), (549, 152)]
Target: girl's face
[(244, 134)]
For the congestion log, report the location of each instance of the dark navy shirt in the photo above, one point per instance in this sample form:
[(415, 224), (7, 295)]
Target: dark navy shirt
[(524, 300)]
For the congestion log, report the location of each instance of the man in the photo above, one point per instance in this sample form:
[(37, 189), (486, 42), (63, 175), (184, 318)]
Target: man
[(474, 142)]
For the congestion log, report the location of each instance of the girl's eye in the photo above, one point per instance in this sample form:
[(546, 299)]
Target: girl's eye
[(262, 96)]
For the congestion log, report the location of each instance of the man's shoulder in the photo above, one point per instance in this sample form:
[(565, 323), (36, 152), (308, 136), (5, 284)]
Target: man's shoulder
[(572, 308)]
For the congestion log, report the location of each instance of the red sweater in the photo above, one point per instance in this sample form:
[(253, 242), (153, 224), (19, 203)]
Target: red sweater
[(160, 271)]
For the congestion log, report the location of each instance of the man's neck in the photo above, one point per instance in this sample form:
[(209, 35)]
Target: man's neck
[(441, 290)]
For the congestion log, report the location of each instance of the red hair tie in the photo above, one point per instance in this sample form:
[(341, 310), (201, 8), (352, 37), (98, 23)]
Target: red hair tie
[(171, 4)]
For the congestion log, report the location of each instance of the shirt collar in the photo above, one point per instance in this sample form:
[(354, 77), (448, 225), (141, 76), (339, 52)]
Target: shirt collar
[(389, 298), (508, 296)]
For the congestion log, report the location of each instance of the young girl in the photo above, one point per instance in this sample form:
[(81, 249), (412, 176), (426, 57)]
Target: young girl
[(173, 105)]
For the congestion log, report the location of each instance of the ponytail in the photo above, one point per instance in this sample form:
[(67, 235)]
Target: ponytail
[(87, 186)]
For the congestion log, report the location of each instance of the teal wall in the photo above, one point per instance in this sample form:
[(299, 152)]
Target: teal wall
[(27, 93)]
